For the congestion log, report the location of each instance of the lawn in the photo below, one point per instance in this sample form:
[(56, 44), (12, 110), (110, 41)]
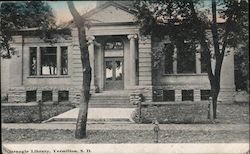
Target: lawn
[(124, 136), (235, 114)]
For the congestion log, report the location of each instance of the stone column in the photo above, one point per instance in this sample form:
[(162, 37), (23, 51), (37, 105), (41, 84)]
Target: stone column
[(58, 60), (175, 61), (198, 61), (38, 59), (132, 59), (91, 49)]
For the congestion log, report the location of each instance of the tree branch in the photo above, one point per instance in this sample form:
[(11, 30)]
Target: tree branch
[(79, 21), (203, 42), (215, 30), (225, 42)]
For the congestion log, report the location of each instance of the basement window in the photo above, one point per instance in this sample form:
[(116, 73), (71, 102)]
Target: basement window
[(46, 96), (187, 95), (168, 95), (63, 96), (158, 95), (205, 94), (31, 96)]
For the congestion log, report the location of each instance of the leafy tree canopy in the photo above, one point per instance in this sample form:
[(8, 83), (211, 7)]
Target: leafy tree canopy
[(175, 18), (20, 15)]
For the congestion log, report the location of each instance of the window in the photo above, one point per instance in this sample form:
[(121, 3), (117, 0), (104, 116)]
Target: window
[(113, 44), (187, 95), (186, 58), (168, 60), (48, 61), (158, 95), (33, 61), (64, 60), (113, 48), (46, 96), (168, 95), (203, 64), (205, 94), (31, 96), (63, 96)]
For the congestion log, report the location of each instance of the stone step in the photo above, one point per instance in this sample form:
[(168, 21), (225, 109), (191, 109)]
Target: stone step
[(110, 100), (96, 105)]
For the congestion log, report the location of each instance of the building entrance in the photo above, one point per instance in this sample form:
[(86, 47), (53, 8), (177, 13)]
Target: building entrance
[(114, 73)]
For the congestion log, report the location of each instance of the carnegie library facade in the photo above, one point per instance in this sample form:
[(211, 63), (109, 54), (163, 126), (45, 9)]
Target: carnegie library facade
[(121, 60)]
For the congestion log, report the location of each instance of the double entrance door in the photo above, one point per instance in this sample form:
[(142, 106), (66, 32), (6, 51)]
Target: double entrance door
[(114, 73)]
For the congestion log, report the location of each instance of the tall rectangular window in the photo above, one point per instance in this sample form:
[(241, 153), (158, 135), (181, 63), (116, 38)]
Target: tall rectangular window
[(33, 61), (48, 61), (168, 59), (64, 60), (186, 58), (203, 63)]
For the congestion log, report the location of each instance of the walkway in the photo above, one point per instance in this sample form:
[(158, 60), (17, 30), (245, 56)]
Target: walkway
[(96, 114)]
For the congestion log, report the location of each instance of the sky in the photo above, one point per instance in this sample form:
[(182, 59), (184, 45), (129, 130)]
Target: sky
[(61, 10), (62, 13)]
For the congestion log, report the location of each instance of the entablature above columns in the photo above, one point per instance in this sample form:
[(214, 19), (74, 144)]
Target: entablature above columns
[(112, 30)]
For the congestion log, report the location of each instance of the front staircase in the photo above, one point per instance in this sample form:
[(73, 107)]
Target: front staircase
[(110, 99)]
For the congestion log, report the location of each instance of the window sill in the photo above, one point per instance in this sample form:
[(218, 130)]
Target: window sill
[(49, 76), (186, 74)]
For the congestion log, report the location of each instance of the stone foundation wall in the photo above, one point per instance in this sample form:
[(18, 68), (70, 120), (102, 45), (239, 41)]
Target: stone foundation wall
[(18, 94), (145, 91), (226, 95)]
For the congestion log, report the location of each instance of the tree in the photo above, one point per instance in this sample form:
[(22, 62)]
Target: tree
[(20, 15), (183, 21), (81, 23)]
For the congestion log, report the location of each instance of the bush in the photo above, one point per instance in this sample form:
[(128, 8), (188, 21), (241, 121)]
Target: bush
[(173, 113), (29, 113)]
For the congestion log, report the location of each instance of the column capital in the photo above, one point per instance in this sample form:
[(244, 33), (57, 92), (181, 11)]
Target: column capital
[(90, 39), (130, 36)]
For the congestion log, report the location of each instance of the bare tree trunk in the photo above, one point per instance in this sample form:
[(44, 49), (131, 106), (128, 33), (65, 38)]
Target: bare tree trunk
[(85, 92), (214, 78)]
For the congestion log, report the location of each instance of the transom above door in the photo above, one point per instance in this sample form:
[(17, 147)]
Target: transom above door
[(114, 73)]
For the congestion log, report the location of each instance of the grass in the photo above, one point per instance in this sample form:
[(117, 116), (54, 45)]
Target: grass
[(227, 114), (124, 136)]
